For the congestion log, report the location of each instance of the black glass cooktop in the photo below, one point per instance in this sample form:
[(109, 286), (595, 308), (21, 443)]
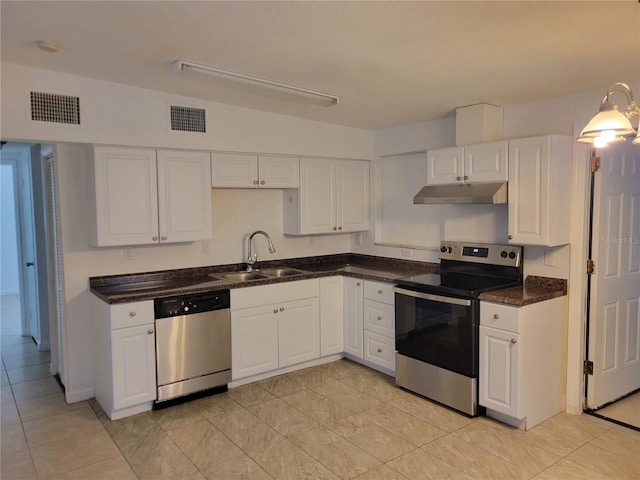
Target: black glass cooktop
[(456, 284)]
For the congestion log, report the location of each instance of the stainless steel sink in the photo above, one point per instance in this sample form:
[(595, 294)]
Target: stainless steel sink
[(240, 276), (282, 272)]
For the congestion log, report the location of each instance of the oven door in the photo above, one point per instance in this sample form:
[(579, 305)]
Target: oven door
[(437, 329)]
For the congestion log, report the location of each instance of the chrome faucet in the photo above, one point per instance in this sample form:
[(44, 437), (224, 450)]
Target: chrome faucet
[(252, 259)]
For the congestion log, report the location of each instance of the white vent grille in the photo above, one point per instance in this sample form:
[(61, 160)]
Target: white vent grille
[(55, 108), (188, 119)]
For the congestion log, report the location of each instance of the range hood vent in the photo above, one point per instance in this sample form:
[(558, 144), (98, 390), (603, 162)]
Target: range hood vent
[(464, 193)]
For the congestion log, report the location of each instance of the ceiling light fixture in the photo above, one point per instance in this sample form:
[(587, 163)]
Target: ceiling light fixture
[(326, 98), (51, 47), (610, 125)]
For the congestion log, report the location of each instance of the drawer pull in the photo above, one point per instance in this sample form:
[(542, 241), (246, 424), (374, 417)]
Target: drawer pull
[(132, 314), (379, 317), (282, 309), (155, 239), (513, 340), (150, 331), (496, 316), (379, 350), (275, 310), (380, 292)]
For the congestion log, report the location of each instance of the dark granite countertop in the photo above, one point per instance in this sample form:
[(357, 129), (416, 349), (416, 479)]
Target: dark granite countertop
[(534, 290), (168, 283)]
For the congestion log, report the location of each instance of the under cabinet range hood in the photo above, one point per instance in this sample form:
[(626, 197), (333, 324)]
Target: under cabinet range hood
[(463, 193)]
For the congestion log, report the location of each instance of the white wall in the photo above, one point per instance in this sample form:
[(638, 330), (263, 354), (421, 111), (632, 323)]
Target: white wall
[(9, 277), (122, 115)]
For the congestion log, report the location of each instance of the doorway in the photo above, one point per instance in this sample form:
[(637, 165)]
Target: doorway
[(613, 334), (27, 221)]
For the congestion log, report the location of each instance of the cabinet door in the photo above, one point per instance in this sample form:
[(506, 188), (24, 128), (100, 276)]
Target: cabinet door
[(279, 172), (126, 196), (254, 341), (317, 196), (331, 316), (184, 196), (353, 316), (499, 375), (134, 366), (445, 165), (298, 331), (232, 170), (486, 162), (352, 190)]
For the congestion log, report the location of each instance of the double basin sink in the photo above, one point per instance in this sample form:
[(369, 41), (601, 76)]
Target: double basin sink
[(258, 274)]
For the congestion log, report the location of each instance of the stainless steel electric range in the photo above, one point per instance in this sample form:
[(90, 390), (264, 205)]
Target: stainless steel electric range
[(437, 320)]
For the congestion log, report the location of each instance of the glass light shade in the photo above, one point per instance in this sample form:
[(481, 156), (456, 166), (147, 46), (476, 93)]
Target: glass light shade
[(608, 119), (636, 141)]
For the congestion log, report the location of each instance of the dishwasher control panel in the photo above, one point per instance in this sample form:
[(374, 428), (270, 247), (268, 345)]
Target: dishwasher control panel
[(190, 304)]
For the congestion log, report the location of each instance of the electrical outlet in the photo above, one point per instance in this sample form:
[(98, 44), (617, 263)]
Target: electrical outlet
[(205, 247), (407, 252), (128, 253)]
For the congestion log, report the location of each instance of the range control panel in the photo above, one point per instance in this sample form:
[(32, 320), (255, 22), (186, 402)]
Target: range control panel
[(489, 253), (190, 304)]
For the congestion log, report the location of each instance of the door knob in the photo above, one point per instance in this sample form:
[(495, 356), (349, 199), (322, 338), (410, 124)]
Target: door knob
[(29, 264)]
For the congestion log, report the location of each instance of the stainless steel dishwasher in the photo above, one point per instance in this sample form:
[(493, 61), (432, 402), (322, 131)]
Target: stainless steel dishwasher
[(193, 344)]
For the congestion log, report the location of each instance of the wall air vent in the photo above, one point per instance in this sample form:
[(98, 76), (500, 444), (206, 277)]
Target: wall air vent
[(188, 119), (55, 108)]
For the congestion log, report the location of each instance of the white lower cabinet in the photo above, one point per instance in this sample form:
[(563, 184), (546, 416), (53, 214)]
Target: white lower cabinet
[(522, 361), (125, 360), (353, 317), (274, 326), (331, 316)]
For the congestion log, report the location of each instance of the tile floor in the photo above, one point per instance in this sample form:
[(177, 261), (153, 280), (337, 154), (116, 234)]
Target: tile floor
[(339, 420)]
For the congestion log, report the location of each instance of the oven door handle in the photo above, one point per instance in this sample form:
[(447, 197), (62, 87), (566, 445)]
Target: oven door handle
[(435, 298)]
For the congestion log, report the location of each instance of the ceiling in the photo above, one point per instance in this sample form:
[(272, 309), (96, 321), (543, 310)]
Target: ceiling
[(391, 63)]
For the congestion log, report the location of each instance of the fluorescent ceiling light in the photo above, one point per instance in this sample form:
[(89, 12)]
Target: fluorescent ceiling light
[(610, 125), (326, 98)]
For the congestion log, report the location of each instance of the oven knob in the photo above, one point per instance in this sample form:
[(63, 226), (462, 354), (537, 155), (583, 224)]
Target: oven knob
[(186, 309), (512, 255), (449, 249), (503, 254), (443, 249)]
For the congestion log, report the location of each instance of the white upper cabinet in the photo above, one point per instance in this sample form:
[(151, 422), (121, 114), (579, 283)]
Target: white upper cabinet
[(333, 197), (484, 162), (231, 170), (540, 190), (144, 196)]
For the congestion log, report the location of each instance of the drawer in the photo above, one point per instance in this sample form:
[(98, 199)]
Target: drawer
[(379, 350), (131, 314), (500, 316), (379, 291), (380, 318)]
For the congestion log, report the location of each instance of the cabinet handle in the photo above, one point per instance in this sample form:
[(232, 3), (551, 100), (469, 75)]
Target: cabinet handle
[(379, 317), (458, 178), (164, 237), (340, 227), (155, 239), (380, 292), (335, 228), (255, 182), (513, 340), (496, 316), (132, 314), (379, 350), (466, 177), (262, 182), (275, 310), (150, 331), (282, 309), (358, 284), (510, 237)]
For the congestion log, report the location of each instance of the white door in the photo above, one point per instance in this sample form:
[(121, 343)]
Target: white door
[(614, 323)]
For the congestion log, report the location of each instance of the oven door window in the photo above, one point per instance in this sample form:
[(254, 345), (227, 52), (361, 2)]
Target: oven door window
[(439, 333)]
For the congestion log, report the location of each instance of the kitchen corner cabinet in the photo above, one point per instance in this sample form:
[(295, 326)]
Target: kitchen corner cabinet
[(540, 190), (522, 361), (333, 198), (484, 162), (353, 317), (125, 360), (331, 315), (274, 326), (147, 196), (231, 170)]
